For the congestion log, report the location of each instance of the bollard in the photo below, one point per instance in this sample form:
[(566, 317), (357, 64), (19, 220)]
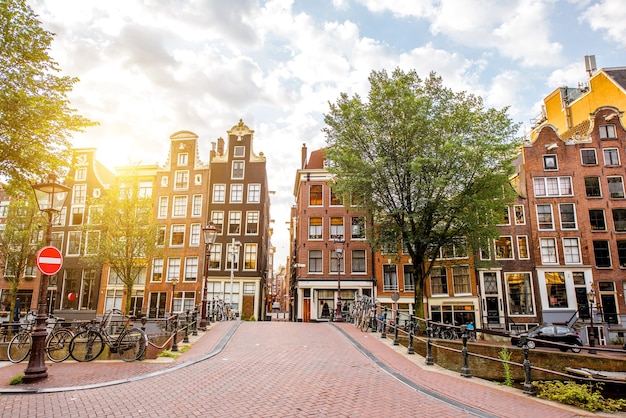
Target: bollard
[(411, 349), (529, 389), (384, 330), (175, 342), (144, 320), (194, 322), (429, 342), (465, 370), (395, 337), (186, 335)]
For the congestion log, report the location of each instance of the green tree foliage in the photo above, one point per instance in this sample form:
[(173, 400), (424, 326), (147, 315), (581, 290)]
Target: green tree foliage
[(432, 165), (121, 233), (36, 120), (20, 240)]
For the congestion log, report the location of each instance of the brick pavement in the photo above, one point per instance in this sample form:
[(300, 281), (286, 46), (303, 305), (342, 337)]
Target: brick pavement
[(277, 369)]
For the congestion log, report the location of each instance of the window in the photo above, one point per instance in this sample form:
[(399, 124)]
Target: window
[(239, 151), (548, 250), (358, 261), (520, 293), (249, 257), (611, 157), (252, 222), (504, 247), (145, 189), (621, 253), (358, 228), (79, 194), (616, 187), (177, 236), (237, 172), (92, 242), (315, 228), (568, 217), (181, 179), (315, 195), (217, 217), (520, 218), (215, 258), (335, 199), (160, 239), (196, 205), (619, 220), (601, 254), (522, 247), (80, 174), (179, 208), (173, 269), (198, 179), (409, 278), (183, 159), (552, 186), (438, 281), (607, 131), (592, 187), (315, 261), (194, 235), (336, 262), (164, 181), (157, 270), (234, 223), (336, 228), (461, 280), (456, 249), (550, 162), (57, 240), (77, 215), (254, 193), (95, 215), (236, 193), (596, 219), (506, 218), (555, 288), (4, 209), (588, 156), (184, 301), (191, 269), (544, 217), (571, 251), (74, 243), (163, 203), (390, 278), (219, 193)]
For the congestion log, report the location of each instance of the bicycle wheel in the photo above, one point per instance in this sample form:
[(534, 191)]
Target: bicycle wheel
[(132, 344), (86, 346), (58, 345), (20, 346)]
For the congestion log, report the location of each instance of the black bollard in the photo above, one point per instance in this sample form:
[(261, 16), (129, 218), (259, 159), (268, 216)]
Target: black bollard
[(384, 330), (395, 337), (529, 389), (194, 323), (429, 342), (411, 349), (175, 342), (186, 334), (465, 370), (144, 320)]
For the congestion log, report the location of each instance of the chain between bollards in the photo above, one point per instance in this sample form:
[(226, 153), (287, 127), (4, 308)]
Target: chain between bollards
[(529, 389), (429, 346), (465, 370)]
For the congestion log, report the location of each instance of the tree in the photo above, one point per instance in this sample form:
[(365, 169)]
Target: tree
[(36, 120), (20, 240), (121, 232), (433, 165)]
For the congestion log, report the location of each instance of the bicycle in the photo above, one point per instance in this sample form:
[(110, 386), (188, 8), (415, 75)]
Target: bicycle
[(130, 344), (57, 341)]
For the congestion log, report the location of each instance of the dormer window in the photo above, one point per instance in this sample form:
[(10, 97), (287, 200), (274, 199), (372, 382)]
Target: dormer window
[(550, 162), (237, 172), (183, 159), (607, 132), (239, 151)]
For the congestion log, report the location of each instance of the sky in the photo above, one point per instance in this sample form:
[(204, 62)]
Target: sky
[(150, 68)]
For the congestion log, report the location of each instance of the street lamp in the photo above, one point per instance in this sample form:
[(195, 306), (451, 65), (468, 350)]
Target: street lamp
[(339, 253), (232, 266), (50, 197), (591, 296), (210, 233)]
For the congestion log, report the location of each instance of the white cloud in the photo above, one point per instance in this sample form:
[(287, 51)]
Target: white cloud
[(609, 17)]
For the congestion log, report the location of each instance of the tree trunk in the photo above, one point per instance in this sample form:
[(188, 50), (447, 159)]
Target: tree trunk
[(420, 279)]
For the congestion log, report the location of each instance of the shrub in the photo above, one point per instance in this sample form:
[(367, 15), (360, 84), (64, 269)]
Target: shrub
[(168, 353), (16, 380), (584, 396), (505, 355)]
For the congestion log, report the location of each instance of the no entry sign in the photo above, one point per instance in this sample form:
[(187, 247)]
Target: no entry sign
[(49, 260)]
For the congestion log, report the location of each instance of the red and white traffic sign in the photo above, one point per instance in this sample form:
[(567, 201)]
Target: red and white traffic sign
[(49, 260)]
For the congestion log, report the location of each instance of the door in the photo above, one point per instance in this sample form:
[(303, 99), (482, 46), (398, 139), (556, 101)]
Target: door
[(306, 310), (157, 305), (609, 309), (247, 308), (582, 302), (493, 310)]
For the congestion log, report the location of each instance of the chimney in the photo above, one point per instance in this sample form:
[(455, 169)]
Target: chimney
[(220, 146), (304, 155), (212, 153)]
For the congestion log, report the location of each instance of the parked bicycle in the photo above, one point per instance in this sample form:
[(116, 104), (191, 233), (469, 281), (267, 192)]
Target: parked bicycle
[(129, 344), (57, 341)]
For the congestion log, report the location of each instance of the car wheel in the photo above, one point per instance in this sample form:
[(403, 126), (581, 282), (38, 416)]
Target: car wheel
[(576, 348), (530, 344)]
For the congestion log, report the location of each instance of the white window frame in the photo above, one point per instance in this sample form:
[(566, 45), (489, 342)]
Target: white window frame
[(238, 165), (179, 206), (196, 205), (219, 193), (539, 223), (236, 193), (550, 162), (191, 269), (175, 231), (611, 157), (571, 252), (561, 216), (181, 180), (173, 269), (549, 253), (254, 193), (194, 235), (163, 207), (548, 186), (590, 151)]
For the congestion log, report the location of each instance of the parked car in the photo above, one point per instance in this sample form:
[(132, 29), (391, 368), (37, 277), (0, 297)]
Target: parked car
[(547, 334)]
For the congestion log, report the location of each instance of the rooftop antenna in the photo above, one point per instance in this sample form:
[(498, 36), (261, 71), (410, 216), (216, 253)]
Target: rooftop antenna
[(590, 64)]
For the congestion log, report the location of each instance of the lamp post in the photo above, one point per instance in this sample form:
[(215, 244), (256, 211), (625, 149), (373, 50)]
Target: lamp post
[(50, 197), (592, 334), (232, 267), (339, 253), (210, 233)]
